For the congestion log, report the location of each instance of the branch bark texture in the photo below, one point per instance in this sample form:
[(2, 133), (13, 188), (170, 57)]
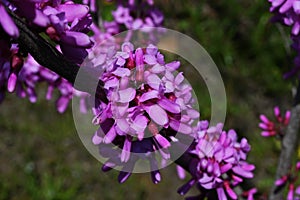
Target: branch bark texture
[(43, 52), (48, 56), (289, 144)]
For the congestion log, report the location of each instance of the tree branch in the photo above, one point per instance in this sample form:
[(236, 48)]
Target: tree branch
[(289, 144), (48, 56), (44, 53)]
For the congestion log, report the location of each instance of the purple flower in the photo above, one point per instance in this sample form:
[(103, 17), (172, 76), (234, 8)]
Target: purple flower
[(145, 100), (151, 101), (22, 78), (11, 63), (274, 128), (31, 10), (65, 23), (219, 162), (133, 15), (290, 180), (111, 27), (69, 24), (122, 15), (287, 12)]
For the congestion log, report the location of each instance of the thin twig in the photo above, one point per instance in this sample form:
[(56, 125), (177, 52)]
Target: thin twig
[(289, 144)]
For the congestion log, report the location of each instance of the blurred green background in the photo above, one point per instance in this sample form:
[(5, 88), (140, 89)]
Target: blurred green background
[(42, 157)]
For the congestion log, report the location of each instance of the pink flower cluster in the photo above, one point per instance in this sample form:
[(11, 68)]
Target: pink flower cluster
[(287, 12), (133, 15), (290, 181), (145, 98), (219, 162), (66, 24), (271, 128)]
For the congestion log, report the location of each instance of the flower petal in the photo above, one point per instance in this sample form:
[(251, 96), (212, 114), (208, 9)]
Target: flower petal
[(123, 176), (242, 172), (150, 59), (180, 172), (140, 123), (76, 39), (126, 95), (163, 142), (121, 72), (73, 11), (169, 105), (125, 155), (172, 66), (62, 104), (123, 125), (194, 114), (157, 114), (7, 23), (186, 187), (96, 139), (180, 127), (156, 177), (12, 82), (179, 78), (149, 95), (157, 69), (221, 193), (154, 81), (110, 135)]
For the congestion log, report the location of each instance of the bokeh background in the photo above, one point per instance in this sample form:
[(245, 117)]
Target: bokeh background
[(41, 156)]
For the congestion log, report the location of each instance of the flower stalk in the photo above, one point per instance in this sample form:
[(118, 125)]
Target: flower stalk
[(289, 144)]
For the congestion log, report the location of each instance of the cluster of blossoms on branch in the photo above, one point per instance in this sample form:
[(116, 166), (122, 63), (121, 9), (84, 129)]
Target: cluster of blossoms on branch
[(277, 128), (149, 109), (219, 162), (126, 17), (64, 23), (147, 102)]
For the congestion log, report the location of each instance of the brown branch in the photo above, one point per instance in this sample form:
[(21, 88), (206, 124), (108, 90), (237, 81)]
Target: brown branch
[(289, 144), (48, 56), (44, 53)]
